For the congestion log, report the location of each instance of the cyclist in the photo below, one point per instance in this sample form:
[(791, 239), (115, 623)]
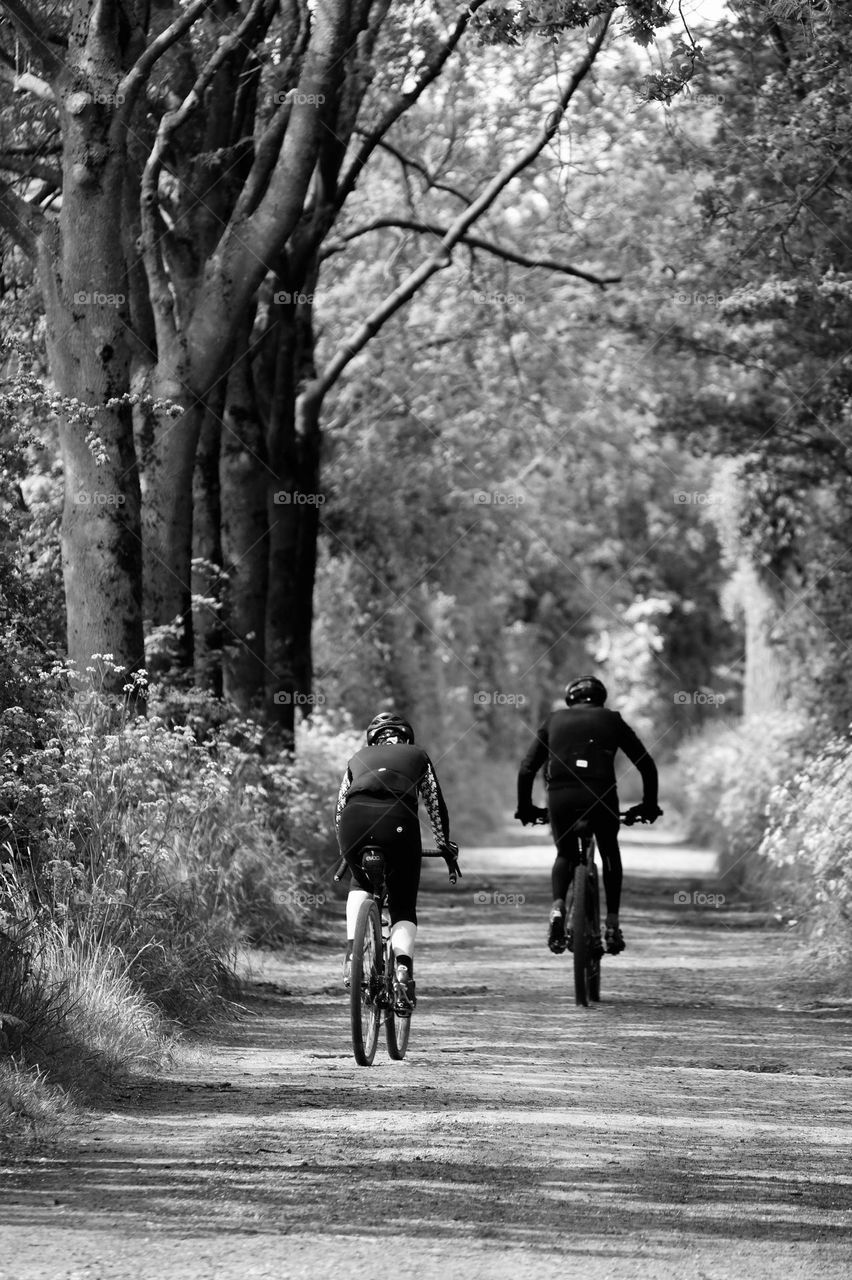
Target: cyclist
[(577, 746), (377, 804)]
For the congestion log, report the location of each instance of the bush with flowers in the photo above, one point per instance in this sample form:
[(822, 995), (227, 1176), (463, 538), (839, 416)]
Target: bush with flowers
[(808, 849)]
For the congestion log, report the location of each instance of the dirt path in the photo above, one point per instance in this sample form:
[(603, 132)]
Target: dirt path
[(696, 1124)]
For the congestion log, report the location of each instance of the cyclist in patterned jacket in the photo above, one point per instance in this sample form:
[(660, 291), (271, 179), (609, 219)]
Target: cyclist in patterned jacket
[(377, 804), (578, 746)]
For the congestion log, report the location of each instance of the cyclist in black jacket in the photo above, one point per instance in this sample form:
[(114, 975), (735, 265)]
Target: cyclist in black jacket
[(377, 804), (577, 746)]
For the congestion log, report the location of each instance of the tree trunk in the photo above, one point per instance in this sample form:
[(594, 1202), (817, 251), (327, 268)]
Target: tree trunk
[(207, 582), (168, 447), (765, 687), (294, 499), (244, 481), (85, 288)]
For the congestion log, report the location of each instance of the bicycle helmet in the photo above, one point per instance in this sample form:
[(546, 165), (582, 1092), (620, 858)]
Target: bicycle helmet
[(385, 723), (586, 689)]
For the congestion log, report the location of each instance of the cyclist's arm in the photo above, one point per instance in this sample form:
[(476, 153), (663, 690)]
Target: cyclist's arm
[(640, 757), (341, 797), (439, 819), (535, 758)]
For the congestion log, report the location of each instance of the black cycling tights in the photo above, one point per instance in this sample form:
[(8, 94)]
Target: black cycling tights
[(564, 812), (394, 830)]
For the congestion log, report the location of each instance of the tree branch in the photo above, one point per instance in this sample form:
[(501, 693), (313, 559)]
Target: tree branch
[(31, 168), (32, 34), (137, 76), (474, 242), (408, 162), (428, 75), (20, 219), (161, 296), (26, 82), (249, 246), (347, 351), (295, 29)]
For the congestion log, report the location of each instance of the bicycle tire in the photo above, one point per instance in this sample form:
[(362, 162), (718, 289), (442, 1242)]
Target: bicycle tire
[(397, 1029), (580, 928), (366, 981), (593, 963)]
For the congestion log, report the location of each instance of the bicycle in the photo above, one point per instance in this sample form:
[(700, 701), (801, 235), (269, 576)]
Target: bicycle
[(371, 993), (587, 947)]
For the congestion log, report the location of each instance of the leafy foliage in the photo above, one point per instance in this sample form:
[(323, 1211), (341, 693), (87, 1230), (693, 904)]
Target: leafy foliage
[(807, 846)]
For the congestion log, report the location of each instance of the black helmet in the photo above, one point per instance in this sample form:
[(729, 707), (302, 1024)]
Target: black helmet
[(586, 689), (387, 722)]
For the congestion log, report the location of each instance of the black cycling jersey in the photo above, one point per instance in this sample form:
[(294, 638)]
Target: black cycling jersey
[(398, 773), (578, 746)]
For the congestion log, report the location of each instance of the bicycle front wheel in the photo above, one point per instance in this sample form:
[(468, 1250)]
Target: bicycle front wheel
[(365, 989), (593, 959), (579, 923), (397, 1029)]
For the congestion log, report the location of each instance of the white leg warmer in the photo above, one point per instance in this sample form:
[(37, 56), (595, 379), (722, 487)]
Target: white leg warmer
[(353, 906), (403, 934)]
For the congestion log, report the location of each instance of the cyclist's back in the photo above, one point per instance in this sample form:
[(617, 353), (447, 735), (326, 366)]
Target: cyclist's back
[(377, 805), (577, 746)]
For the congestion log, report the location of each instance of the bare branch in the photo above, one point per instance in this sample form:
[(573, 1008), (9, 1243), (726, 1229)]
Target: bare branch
[(408, 162), (26, 82), (32, 34), (20, 219), (137, 76), (441, 257), (474, 242), (295, 35), (31, 168), (427, 76)]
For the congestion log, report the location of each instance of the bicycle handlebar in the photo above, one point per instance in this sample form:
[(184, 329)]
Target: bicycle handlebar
[(343, 869), (629, 817)]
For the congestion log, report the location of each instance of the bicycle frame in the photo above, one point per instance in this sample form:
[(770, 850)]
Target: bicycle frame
[(372, 995)]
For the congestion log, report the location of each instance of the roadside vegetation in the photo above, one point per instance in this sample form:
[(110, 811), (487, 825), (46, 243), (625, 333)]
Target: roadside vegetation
[(611, 432)]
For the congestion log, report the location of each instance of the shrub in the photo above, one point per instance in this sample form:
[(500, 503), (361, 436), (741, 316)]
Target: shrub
[(808, 846), (728, 772)]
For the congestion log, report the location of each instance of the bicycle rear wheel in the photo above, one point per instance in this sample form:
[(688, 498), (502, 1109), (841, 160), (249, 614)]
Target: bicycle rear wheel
[(579, 924), (365, 989), (593, 960), (397, 1029)]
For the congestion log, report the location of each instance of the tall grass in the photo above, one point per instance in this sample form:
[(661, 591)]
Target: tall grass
[(139, 853)]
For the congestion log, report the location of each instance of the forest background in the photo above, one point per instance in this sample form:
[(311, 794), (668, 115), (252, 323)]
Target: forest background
[(418, 355)]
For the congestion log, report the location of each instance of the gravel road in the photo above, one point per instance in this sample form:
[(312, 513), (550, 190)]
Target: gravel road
[(695, 1124)]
